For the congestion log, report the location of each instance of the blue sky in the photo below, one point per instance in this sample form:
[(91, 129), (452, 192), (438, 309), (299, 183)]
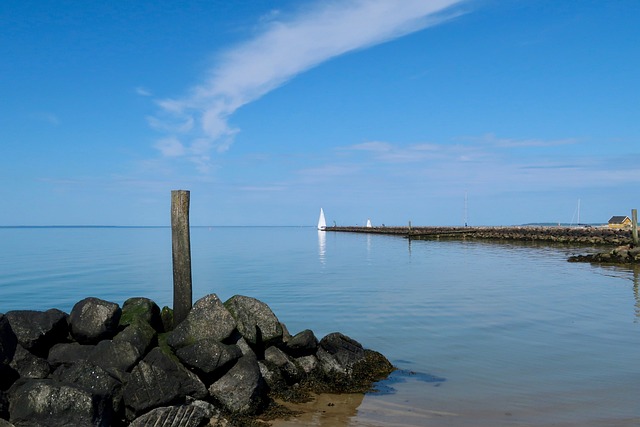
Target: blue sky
[(268, 110)]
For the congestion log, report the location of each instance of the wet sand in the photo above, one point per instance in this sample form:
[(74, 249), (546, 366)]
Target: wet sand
[(356, 410), (342, 410)]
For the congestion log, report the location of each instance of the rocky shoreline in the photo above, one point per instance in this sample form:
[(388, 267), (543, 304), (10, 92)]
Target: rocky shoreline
[(224, 365), (599, 236)]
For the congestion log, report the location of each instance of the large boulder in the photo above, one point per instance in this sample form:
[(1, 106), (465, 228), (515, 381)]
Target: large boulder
[(159, 380), (93, 320), (304, 343), (109, 354), (290, 371), (48, 402), (256, 322), (207, 319), (338, 352), (95, 379), (140, 334), (28, 365), (69, 353), (208, 357), (141, 309), (241, 390), (37, 331)]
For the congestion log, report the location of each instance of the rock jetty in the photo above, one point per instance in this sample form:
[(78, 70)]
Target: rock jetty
[(600, 236), (224, 365), (625, 254)]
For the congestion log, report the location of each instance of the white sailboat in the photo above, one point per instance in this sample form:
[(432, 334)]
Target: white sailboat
[(369, 223), (322, 223)]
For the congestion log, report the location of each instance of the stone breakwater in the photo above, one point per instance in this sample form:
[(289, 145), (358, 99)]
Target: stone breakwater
[(224, 365), (600, 236), (625, 254)]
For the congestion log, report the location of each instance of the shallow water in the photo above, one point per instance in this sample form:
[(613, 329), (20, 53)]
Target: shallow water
[(485, 334)]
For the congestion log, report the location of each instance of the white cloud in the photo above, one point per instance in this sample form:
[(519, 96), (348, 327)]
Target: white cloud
[(142, 91), (491, 139), (170, 147), (285, 48)]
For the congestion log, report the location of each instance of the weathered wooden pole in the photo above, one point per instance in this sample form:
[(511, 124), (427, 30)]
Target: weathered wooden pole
[(634, 226), (181, 245)]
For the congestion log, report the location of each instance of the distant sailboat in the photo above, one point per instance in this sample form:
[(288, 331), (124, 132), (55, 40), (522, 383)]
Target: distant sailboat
[(322, 223), (369, 223)]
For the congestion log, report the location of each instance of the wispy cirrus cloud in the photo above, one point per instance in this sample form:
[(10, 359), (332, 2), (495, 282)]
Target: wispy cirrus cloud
[(283, 49), (492, 139)]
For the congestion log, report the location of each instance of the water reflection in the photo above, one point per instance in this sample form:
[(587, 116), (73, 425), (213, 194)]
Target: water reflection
[(636, 282), (322, 245)]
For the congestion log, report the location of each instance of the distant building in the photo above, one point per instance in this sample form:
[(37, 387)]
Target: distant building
[(620, 222)]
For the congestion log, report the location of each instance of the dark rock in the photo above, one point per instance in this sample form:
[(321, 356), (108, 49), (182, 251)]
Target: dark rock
[(339, 352), (302, 344), (244, 347), (8, 341), (51, 403), (194, 415), (92, 320), (8, 376), (159, 380), (207, 319), (209, 357), (94, 379), (307, 363), (5, 423), (256, 321), (140, 334), (4, 406), (144, 309), (37, 331), (121, 355), (167, 319), (272, 376), (29, 365), (242, 389), (286, 336), (68, 353), (285, 363)]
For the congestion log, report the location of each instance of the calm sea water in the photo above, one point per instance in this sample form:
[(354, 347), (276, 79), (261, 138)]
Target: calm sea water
[(485, 334)]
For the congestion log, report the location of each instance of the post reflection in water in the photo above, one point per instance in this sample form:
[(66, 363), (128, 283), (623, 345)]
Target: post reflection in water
[(636, 293), (322, 245)]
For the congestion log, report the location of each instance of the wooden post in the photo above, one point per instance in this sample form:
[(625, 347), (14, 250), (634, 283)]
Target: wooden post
[(181, 245), (634, 226)]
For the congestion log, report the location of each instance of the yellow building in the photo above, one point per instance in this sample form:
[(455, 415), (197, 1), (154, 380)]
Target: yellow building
[(620, 222)]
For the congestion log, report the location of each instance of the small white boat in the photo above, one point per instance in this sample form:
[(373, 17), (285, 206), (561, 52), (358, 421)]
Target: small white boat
[(322, 223), (369, 223)]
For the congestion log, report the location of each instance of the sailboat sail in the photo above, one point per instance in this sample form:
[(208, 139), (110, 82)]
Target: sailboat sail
[(369, 223), (322, 223)]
